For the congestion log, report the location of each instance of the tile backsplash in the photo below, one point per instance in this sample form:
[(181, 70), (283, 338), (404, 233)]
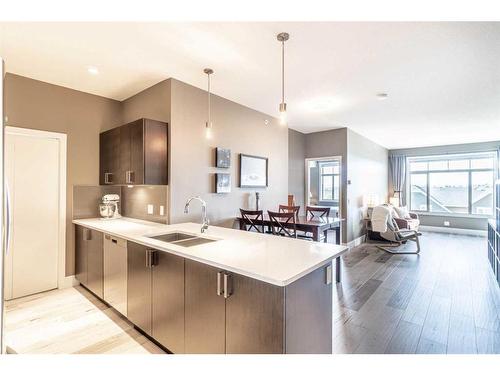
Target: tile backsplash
[(134, 201), (86, 199)]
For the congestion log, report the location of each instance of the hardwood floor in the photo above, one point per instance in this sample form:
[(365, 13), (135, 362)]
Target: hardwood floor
[(70, 321), (443, 301)]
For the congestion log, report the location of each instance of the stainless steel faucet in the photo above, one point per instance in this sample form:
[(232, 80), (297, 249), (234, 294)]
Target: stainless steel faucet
[(203, 211)]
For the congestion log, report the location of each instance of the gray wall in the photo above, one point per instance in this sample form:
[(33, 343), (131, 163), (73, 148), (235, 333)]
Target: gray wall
[(239, 128), (455, 221), (332, 143), (364, 163), (367, 171), (296, 165)]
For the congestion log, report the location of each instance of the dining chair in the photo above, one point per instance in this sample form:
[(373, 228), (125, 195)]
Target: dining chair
[(312, 213), (284, 208), (317, 212), (283, 223), (252, 219)]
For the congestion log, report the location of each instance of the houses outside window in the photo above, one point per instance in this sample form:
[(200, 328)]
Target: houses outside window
[(329, 180), (453, 184)]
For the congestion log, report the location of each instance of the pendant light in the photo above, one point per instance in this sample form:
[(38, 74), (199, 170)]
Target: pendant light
[(208, 124), (283, 37)]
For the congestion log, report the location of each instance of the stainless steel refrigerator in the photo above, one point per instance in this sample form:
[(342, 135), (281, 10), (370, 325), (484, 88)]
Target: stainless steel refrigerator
[(4, 230)]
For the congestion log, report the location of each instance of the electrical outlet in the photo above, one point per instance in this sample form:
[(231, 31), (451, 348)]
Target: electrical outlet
[(446, 223), (162, 210), (150, 209)]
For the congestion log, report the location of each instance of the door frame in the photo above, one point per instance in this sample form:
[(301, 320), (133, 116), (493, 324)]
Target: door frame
[(306, 176), (62, 280)]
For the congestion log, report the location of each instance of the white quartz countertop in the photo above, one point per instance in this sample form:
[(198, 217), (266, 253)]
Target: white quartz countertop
[(272, 259)]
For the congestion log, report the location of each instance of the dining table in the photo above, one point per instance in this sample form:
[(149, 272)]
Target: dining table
[(314, 225)]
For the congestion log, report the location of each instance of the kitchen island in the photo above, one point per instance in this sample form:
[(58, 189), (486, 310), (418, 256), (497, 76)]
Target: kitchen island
[(223, 291)]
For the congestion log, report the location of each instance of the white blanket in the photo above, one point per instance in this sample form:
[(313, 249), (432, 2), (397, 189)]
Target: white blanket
[(380, 216)]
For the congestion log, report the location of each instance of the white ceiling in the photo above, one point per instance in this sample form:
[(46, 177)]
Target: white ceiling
[(443, 79)]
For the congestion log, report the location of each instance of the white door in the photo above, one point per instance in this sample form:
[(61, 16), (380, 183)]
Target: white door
[(32, 172)]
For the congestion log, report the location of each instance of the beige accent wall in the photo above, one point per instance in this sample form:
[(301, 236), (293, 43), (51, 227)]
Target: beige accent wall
[(239, 128), (39, 105), (152, 103), (191, 155), (82, 116)]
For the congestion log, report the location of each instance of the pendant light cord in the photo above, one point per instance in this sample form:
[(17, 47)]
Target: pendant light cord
[(282, 71), (209, 114)]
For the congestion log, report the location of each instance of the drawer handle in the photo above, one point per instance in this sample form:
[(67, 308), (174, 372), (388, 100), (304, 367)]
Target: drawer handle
[(328, 275), (114, 241), (227, 291), (219, 283)]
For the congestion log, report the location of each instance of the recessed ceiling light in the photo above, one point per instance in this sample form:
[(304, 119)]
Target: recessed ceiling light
[(93, 70), (382, 96)]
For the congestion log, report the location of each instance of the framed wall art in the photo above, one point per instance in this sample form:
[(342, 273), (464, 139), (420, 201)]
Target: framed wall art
[(222, 157), (253, 171), (222, 183)]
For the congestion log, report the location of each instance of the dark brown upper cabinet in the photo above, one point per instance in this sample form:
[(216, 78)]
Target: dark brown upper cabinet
[(134, 154)]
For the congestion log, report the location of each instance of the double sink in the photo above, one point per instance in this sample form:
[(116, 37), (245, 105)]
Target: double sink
[(182, 239)]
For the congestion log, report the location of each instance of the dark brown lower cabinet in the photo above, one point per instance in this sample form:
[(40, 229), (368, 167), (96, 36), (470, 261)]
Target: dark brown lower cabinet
[(155, 295), (139, 286), (190, 307), (231, 313), (89, 259), (81, 254), (95, 263), (308, 306), (205, 314), (254, 317), (168, 301)]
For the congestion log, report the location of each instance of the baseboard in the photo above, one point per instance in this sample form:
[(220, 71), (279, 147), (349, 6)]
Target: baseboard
[(470, 232), (68, 282), (356, 242)]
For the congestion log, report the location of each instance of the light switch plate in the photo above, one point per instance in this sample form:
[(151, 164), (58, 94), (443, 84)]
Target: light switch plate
[(162, 210), (150, 209)]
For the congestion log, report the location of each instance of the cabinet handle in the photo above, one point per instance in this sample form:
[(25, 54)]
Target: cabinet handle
[(88, 235), (153, 258), (148, 257), (328, 275), (219, 291), (107, 179), (128, 177), (227, 291)]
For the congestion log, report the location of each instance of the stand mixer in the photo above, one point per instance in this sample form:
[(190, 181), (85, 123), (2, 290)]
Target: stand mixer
[(108, 208)]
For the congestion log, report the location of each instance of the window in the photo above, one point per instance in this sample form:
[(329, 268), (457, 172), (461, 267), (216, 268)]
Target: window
[(453, 184), (329, 181)]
